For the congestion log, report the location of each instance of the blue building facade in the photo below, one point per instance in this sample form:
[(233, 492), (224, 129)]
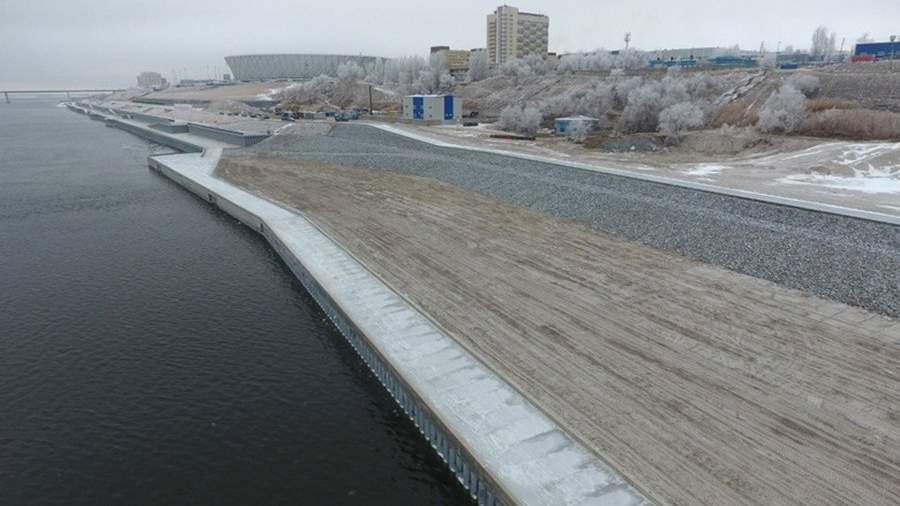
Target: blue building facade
[(880, 50)]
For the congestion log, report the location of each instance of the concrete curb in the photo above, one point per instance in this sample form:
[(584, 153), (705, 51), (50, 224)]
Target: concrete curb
[(721, 190)]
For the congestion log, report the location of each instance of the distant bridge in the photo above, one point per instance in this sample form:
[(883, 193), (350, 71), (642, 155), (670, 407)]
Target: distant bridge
[(7, 93)]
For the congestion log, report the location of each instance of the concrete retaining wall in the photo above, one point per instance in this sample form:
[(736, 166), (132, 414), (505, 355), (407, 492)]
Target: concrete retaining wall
[(221, 134), (155, 136), (468, 472)]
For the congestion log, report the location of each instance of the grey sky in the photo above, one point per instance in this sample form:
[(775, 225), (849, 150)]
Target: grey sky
[(54, 43)]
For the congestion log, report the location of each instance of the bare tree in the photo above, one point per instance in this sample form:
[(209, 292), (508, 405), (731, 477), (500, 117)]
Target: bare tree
[(864, 38)]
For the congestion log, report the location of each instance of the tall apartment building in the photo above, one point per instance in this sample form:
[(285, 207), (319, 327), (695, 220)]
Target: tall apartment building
[(512, 34)]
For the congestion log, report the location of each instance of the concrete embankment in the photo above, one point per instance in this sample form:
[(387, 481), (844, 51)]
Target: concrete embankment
[(191, 137), (502, 448)]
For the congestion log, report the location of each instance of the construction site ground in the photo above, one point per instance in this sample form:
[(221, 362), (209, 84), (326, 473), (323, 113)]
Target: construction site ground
[(700, 385), (858, 175)]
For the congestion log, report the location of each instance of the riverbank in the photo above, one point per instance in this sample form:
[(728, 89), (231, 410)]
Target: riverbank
[(503, 449)]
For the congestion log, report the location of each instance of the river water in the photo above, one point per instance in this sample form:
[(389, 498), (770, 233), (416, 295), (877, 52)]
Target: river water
[(155, 351)]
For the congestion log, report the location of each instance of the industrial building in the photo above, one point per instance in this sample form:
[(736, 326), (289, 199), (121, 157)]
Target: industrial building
[(432, 108), (878, 50), (261, 67), (153, 80), (513, 34), (457, 60)]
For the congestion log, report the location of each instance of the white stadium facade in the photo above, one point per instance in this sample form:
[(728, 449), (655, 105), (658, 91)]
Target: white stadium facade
[(260, 67)]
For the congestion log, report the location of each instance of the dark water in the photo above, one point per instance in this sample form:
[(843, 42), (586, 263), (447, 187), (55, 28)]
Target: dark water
[(154, 351)]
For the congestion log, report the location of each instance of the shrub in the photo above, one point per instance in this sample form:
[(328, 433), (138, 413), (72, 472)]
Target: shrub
[(861, 124), (809, 85), (783, 111), (675, 119), (644, 105), (521, 119), (594, 100), (823, 104)]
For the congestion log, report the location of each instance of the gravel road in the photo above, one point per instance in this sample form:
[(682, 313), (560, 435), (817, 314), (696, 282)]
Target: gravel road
[(843, 259)]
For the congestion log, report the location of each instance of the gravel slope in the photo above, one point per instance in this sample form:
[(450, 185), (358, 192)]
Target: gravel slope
[(847, 260)]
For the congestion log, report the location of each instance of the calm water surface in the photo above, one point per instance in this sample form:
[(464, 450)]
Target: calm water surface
[(155, 351)]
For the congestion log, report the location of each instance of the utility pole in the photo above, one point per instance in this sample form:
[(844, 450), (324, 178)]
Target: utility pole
[(6, 94), (627, 39), (370, 100)]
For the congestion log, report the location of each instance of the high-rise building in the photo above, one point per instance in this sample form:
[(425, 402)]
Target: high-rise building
[(512, 34)]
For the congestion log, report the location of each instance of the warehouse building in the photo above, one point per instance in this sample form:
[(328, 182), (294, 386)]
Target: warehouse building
[(432, 108), (513, 34), (878, 50)]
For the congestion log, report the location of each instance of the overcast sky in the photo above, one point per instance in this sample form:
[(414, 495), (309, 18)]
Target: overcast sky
[(57, 43)]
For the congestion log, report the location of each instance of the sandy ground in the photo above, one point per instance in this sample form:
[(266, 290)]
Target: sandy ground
[(859, 175), (700, 385)]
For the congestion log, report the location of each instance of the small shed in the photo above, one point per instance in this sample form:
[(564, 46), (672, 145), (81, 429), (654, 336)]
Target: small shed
[(432, 108), (565, 126)]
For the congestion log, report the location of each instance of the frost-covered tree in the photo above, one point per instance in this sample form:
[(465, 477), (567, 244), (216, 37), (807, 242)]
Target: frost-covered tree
[(784, 110), (808, 84), (822, 43), (677, 118), (432, 80), (864, 38), (632, 59), (375, 71), (479, 66), (623, 87), (404, 70), (350, 72), (641, 114), (521, 119), (592, 99)]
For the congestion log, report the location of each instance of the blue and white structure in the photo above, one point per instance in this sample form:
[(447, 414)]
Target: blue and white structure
[(880, 50), (432, 108), (575, 124)]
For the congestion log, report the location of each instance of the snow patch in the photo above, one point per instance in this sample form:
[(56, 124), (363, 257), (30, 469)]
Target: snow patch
[(873, 180), (705, 170)]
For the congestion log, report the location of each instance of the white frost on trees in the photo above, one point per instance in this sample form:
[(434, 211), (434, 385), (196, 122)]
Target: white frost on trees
[(784, 110), (809, 85), (822, 43), (479, 66), (677, 118), (350, 72), (520, 119)]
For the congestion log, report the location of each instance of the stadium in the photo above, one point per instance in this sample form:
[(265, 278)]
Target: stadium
[(260, 67)]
